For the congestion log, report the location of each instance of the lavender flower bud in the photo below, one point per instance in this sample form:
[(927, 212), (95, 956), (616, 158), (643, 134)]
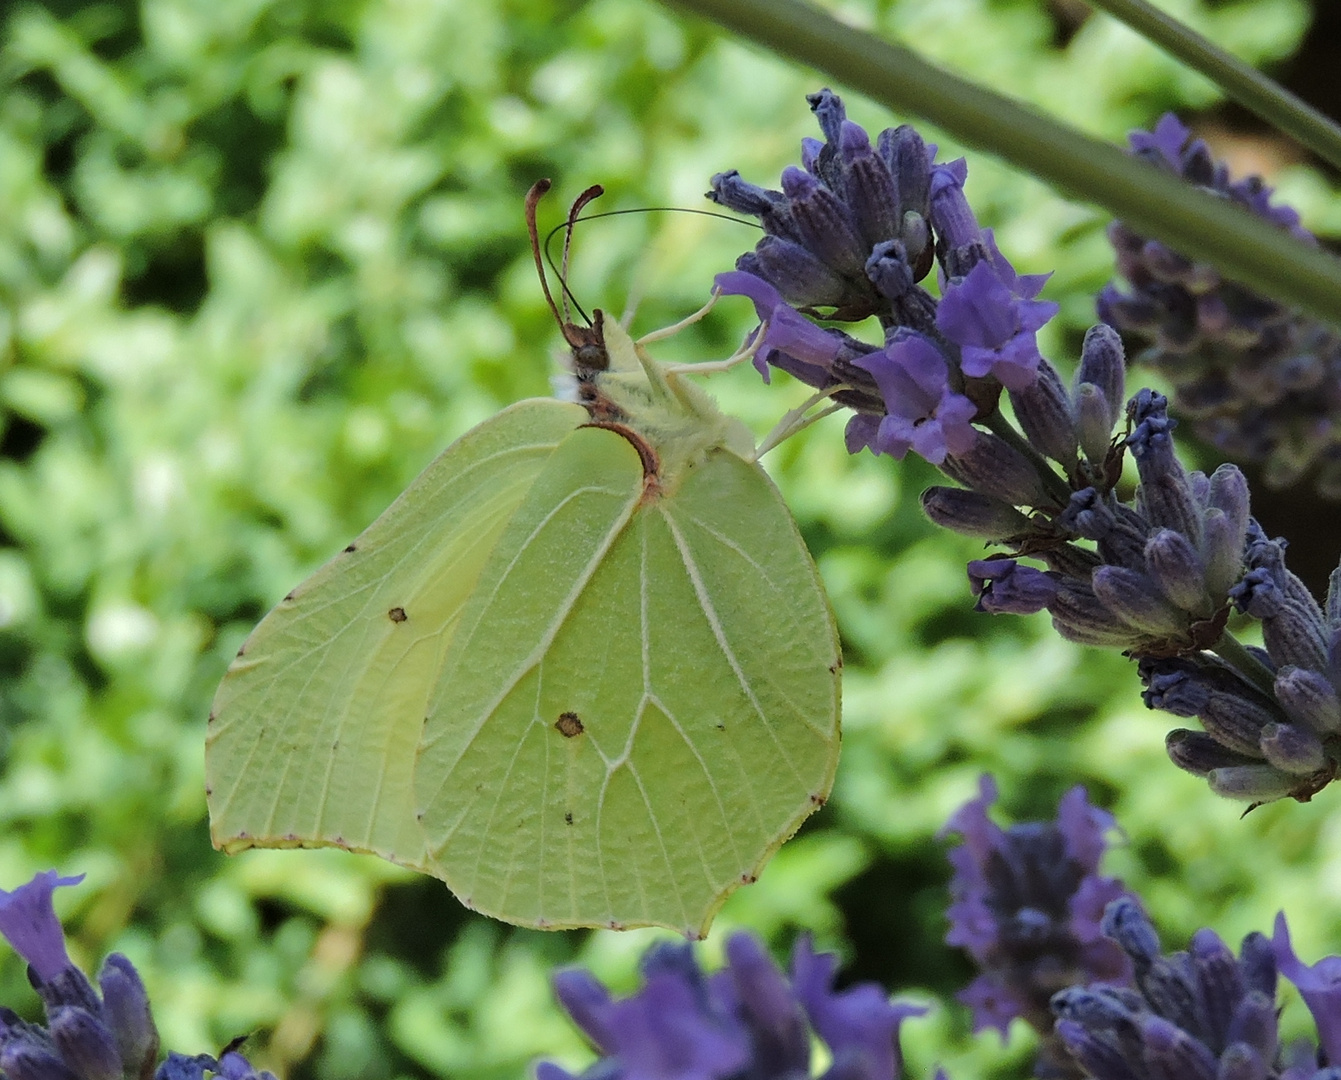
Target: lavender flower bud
[(1120, 531), (1003, 587), (1252, 783), (1090, 412), (801, 277), (973, 514), (1175, 566), (781, 1042), (1103, 365), (1292, 622), (1293, 749), (1137, 601), (959, 238), (588, 1003), (1333, 604), (1165, 495), (1222, 554), (1232, 711), (1096, 1051), (24, 1060), (909, 162), (1197, 753), (869, 186), (126, 1008), (1254, 1025), (823, 223), (1043, 410), (1171, 1052), (1080, 616), (85, 1044), (1309, 698), (994, 467)]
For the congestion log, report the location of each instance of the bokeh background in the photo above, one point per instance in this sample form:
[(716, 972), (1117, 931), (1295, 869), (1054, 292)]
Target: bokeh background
[(260, 260)]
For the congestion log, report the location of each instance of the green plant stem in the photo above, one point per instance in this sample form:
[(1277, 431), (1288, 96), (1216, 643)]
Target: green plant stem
[(1232, 652), (1240, 82), (1244, 247)]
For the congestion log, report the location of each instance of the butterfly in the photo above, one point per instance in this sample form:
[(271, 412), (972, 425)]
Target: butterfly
[(583, 669)]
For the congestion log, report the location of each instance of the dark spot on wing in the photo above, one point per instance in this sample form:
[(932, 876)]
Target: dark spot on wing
[(397, 615), (748, 879), (568, 817), (818, 800), (352, 547), (721, 726), (569, 725), (288, 599)]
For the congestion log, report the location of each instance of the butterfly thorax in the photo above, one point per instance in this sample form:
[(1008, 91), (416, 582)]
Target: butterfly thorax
[(677, 423)]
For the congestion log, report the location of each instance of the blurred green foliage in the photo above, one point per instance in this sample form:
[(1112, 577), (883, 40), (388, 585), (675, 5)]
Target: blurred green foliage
[(260, 260)]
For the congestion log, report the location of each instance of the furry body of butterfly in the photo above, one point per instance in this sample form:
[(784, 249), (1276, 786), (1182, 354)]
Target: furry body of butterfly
[(581, 684)]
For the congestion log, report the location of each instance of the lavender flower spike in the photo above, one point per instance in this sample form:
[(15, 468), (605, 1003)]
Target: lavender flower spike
[(1203, 1014), (1026, 905), (747, 1020), (1258, 381), (87, 1036)]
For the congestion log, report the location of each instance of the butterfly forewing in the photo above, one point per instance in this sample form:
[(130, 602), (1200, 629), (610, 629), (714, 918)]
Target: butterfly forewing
[(314, 729)]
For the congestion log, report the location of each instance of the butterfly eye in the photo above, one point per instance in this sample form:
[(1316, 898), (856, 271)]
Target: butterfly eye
[(591, 358)]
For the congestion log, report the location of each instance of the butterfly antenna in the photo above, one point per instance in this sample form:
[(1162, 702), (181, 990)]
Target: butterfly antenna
[(579, 204), (587, 342), (538, 191)]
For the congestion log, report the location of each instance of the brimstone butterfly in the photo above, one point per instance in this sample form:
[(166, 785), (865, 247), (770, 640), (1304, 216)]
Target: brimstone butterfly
[(583, 670)]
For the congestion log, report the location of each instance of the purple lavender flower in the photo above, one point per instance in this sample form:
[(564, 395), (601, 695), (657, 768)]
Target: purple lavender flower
[(89, 1035), (1319, 985), (922, 412), (1203, 1014), (1003, 586), (850, 235), (823, 226), (28, 922), (1026, 905), (1258, 381), (1156, 577), (746, 1021), (992, 315)]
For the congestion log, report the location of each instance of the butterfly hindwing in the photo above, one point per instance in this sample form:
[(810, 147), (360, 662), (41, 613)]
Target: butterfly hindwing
[(642, 701)]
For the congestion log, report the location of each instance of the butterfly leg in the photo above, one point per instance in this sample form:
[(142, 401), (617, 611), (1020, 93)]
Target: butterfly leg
[(712, 367), (795, 420), (688, 320)]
